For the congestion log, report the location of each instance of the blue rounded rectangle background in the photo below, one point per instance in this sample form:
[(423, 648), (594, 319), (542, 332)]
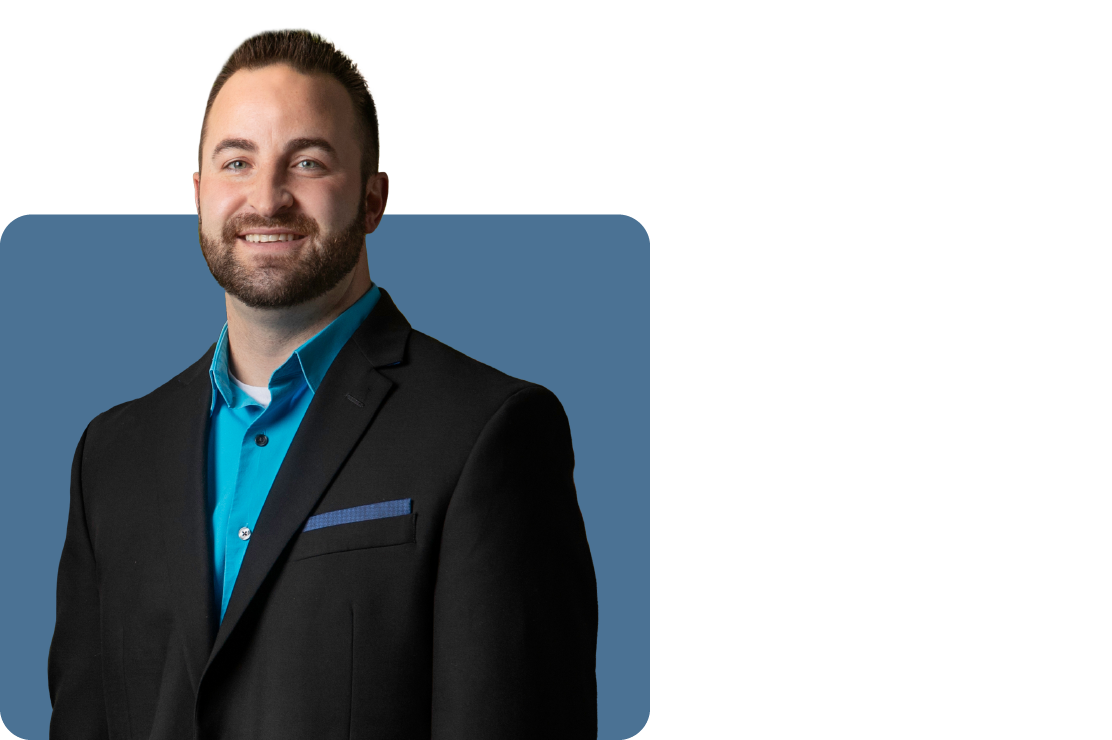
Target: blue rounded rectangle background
[(99, 310)]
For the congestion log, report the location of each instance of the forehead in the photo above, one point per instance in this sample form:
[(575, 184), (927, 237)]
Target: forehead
[(277, 102)]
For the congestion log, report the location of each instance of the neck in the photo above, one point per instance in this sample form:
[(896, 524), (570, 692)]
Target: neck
[(261, 339)]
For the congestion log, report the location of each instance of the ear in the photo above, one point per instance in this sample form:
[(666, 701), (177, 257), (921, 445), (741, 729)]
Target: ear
[(197, 191), (378, 187)]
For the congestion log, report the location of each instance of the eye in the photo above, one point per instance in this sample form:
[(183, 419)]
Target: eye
[(236, 165), (307, 164)]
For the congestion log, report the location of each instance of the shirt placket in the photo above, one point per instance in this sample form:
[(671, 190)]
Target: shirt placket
[(243, 513)]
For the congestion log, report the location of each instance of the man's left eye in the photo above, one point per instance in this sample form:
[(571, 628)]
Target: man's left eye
[(308, 164)]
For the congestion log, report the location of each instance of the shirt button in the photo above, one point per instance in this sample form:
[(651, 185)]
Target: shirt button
[(261, 440), (245, 534)]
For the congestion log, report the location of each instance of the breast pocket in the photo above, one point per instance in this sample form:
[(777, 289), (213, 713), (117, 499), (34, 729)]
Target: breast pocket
[(359, 535)]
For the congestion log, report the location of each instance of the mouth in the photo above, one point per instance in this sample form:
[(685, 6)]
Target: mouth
[(276, 237)]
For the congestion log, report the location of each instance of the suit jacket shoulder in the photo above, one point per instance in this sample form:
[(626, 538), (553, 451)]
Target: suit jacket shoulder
[(451, 376), (143, 420)]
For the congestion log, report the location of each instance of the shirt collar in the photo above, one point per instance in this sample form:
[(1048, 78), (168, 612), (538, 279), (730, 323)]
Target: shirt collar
[(311, 360)]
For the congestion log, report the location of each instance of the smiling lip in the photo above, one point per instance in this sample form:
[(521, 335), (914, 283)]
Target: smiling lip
[(269, 236)]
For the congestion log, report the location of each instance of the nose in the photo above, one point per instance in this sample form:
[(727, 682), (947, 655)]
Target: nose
[(270, 194)]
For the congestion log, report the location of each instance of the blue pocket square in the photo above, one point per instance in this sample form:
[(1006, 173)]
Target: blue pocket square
[(381, 510)]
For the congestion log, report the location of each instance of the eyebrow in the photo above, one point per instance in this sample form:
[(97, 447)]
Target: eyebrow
[(294, 145), (299, 144), (244, 144)]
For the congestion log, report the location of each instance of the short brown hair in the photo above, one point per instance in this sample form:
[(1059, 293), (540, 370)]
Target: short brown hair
[(307, 53)]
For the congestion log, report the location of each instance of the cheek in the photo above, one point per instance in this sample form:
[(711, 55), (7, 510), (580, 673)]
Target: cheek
[(331, 205), (218, 201)]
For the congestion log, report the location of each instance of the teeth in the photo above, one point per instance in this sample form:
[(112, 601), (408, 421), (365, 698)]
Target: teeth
[(270, 237)]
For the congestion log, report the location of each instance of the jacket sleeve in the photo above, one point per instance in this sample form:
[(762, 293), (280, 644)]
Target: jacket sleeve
[(74, 664), (515, 618)]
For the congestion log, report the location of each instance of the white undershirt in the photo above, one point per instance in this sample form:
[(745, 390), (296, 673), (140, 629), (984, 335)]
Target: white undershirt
[(259, 393)]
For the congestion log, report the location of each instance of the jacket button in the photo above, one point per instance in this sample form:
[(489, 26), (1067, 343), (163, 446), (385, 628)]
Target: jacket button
[(261, 440), (245, 534)]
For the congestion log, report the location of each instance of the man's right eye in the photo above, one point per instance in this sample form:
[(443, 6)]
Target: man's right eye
[(236, 165)]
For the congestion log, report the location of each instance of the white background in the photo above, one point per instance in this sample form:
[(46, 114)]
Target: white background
[(881, 372)]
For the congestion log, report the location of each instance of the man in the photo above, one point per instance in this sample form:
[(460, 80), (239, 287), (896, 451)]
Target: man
[(330, 525)]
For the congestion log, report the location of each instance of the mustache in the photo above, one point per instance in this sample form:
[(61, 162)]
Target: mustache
[(298, 223)]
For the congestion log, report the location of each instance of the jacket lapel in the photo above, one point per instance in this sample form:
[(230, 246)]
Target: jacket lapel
[(342, 408), (181, 462)]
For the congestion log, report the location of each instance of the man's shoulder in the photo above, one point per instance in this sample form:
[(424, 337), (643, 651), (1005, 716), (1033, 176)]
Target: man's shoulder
[(439, 369), (131, 416), (449, 395), (437, 357)]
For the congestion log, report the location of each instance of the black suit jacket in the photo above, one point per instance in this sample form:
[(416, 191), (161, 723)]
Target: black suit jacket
[(475, 616)]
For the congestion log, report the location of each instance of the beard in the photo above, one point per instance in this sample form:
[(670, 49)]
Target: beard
[(286, 279)]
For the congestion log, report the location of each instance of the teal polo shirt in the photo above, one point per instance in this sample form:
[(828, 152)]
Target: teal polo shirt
[(248, 439)]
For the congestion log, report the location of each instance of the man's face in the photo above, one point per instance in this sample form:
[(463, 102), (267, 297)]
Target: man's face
[(280, 197)]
